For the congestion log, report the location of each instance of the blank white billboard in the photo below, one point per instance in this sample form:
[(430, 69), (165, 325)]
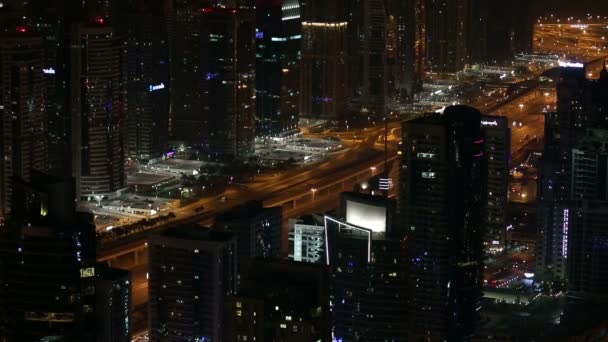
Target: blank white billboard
[(366, 216)]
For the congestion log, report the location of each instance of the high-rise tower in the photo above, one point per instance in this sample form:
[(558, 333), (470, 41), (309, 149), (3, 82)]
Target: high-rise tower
[(446, 25), (23, 125), (324, 74), (581, 106), (213, 77), (148, 85), (98, 108), (192, 272), (368, 57), (442, 200), (278, 45)]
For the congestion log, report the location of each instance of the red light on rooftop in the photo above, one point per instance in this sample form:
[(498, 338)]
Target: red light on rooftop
[(99, 20), (22, 29), (233, 11), (207, 10)]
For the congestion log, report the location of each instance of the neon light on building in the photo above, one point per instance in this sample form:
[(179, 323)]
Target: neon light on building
[(157, 87), (565, 64), (565, 233)]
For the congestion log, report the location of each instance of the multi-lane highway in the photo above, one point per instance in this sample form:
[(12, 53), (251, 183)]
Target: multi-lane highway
[(358, 156), (570, 38)]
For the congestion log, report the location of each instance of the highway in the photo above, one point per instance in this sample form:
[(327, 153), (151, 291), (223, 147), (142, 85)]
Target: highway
[(357, 157), (526, 119), (572, 39)]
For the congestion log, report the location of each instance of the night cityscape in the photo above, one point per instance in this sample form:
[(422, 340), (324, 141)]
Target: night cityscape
[(303, 170)]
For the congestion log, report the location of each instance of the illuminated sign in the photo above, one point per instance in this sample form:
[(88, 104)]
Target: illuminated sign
[(157, 87), (489, 123), (259, 35), (528, 275), (565, 64), (565, 225), (367, 216), (49, 71)]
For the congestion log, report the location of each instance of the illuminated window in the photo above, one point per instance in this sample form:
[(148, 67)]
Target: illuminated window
[(426, 155), (428, 175), (87, 272)]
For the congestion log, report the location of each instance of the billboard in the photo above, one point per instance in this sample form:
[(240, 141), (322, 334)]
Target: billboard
[(366, 215)]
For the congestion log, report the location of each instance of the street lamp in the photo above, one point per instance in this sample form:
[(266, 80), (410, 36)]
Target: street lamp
[(521, 106), (373, 168), (313, 190)]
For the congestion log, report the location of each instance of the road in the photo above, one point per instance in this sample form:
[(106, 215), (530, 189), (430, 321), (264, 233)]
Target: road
[(574, 39), (526, 119), (357, 156)]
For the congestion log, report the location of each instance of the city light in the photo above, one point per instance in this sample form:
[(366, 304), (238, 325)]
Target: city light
[(565, 64), (156, 87)]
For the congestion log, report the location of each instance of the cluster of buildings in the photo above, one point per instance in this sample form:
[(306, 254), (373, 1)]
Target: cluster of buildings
[(375, 269), (114, 80), (88, 85)]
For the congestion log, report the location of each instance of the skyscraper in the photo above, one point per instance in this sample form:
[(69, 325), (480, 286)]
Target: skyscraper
[(281, 301), (368, 58), (147, 85), (228, 83), (442, 200), (257, 229), (113, 304), (366, 259), (47, 264), (446, 25), (192, 271), (187, 72), (213, 102), (278, 45), (581, 105), (23, 125), (324, 73), (477, 24), (497, 151), (403, 41), (98, 108), (585, 219)]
